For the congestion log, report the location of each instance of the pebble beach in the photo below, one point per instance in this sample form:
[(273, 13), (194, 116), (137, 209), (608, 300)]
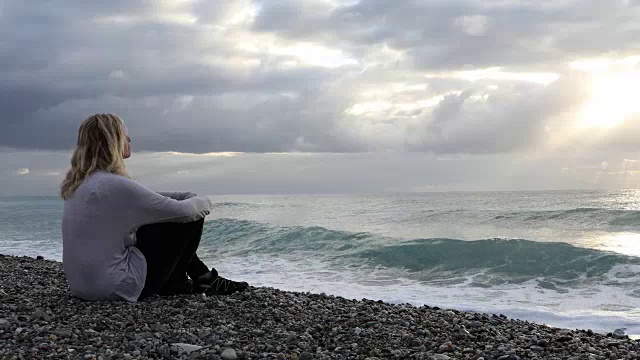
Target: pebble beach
[(39, 319)]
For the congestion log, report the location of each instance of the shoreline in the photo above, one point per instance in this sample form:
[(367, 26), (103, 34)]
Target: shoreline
[(39, 318)]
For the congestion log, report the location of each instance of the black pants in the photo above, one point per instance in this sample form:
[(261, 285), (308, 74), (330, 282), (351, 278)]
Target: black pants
[(170, 251)]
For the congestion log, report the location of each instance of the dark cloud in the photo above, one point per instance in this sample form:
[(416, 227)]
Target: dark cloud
[(453, 34), (206, 76)]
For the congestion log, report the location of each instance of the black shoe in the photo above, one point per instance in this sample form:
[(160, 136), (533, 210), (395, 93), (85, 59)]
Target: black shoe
[(201, 283), (222, 286)]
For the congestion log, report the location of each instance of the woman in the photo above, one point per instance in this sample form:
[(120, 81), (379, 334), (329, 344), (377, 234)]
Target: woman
[(122, 240)]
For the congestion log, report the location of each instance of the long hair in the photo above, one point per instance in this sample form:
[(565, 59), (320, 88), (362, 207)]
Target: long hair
[(101, 144)]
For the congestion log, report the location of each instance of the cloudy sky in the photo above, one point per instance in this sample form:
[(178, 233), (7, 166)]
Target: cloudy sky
[(327, 96)]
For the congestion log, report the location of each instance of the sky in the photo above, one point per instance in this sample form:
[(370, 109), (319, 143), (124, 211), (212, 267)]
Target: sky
[(327, 96)]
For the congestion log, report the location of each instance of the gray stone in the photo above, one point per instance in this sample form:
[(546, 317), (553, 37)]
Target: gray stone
[(440, 357), (593, 350), (229, 354), (41, 315), (62, 333), (187, 347), (543, 342), (164, 350), (475, 324), (619, 333), (158, 327)]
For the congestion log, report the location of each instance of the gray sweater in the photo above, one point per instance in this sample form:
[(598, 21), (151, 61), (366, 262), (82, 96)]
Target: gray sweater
[(98, 233)]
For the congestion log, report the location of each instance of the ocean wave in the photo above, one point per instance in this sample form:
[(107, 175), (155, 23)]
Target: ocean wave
[(587, 218), (502, 260), (489, 261), (242, 236)]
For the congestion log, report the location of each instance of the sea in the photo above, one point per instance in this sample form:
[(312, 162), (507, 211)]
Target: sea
[(568, 259)]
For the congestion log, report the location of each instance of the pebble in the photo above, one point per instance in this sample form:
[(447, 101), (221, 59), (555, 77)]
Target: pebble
[(185, 347), (40, 314), (619, 333), (475, 324), (440, 357), (543, 342), (229, 354), (266, 323)]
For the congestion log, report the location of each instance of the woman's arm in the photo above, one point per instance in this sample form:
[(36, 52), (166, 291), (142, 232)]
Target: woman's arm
[(178, 195), (141, 206)]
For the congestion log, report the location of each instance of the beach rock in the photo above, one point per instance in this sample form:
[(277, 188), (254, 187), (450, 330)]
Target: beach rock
[(564, 338), (40, 314), (164, 350), (440, 357), (229, 354), (619, 333), (185, 347), (475, 324), (542, 342), (265, 323)]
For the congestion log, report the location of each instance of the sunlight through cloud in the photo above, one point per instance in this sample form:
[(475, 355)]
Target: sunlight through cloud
[(613, 91), (496, 73)]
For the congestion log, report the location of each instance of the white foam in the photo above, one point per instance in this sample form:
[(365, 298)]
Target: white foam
[(601, 309), (47, 249)]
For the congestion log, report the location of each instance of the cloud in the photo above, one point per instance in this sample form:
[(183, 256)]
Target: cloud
[(474, 25), (332, 76), (436, 34)]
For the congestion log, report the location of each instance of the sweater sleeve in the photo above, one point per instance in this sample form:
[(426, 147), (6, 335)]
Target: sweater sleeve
[(141, 206), (178, 195)]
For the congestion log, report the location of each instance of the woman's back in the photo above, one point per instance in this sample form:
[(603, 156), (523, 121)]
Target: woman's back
[(98, 231)]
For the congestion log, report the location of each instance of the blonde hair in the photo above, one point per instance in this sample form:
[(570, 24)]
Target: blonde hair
[(101, 144)]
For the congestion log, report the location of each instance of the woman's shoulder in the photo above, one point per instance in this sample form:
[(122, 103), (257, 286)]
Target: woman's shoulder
[(102, 176), (106, 181)]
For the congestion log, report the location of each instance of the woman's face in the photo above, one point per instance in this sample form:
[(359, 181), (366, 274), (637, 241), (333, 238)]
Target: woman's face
[(127, 148)]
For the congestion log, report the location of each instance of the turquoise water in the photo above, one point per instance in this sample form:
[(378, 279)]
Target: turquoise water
[(565, 258)]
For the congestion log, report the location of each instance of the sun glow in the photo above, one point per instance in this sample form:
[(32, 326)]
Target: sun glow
[(613, 100), (613, 92)]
